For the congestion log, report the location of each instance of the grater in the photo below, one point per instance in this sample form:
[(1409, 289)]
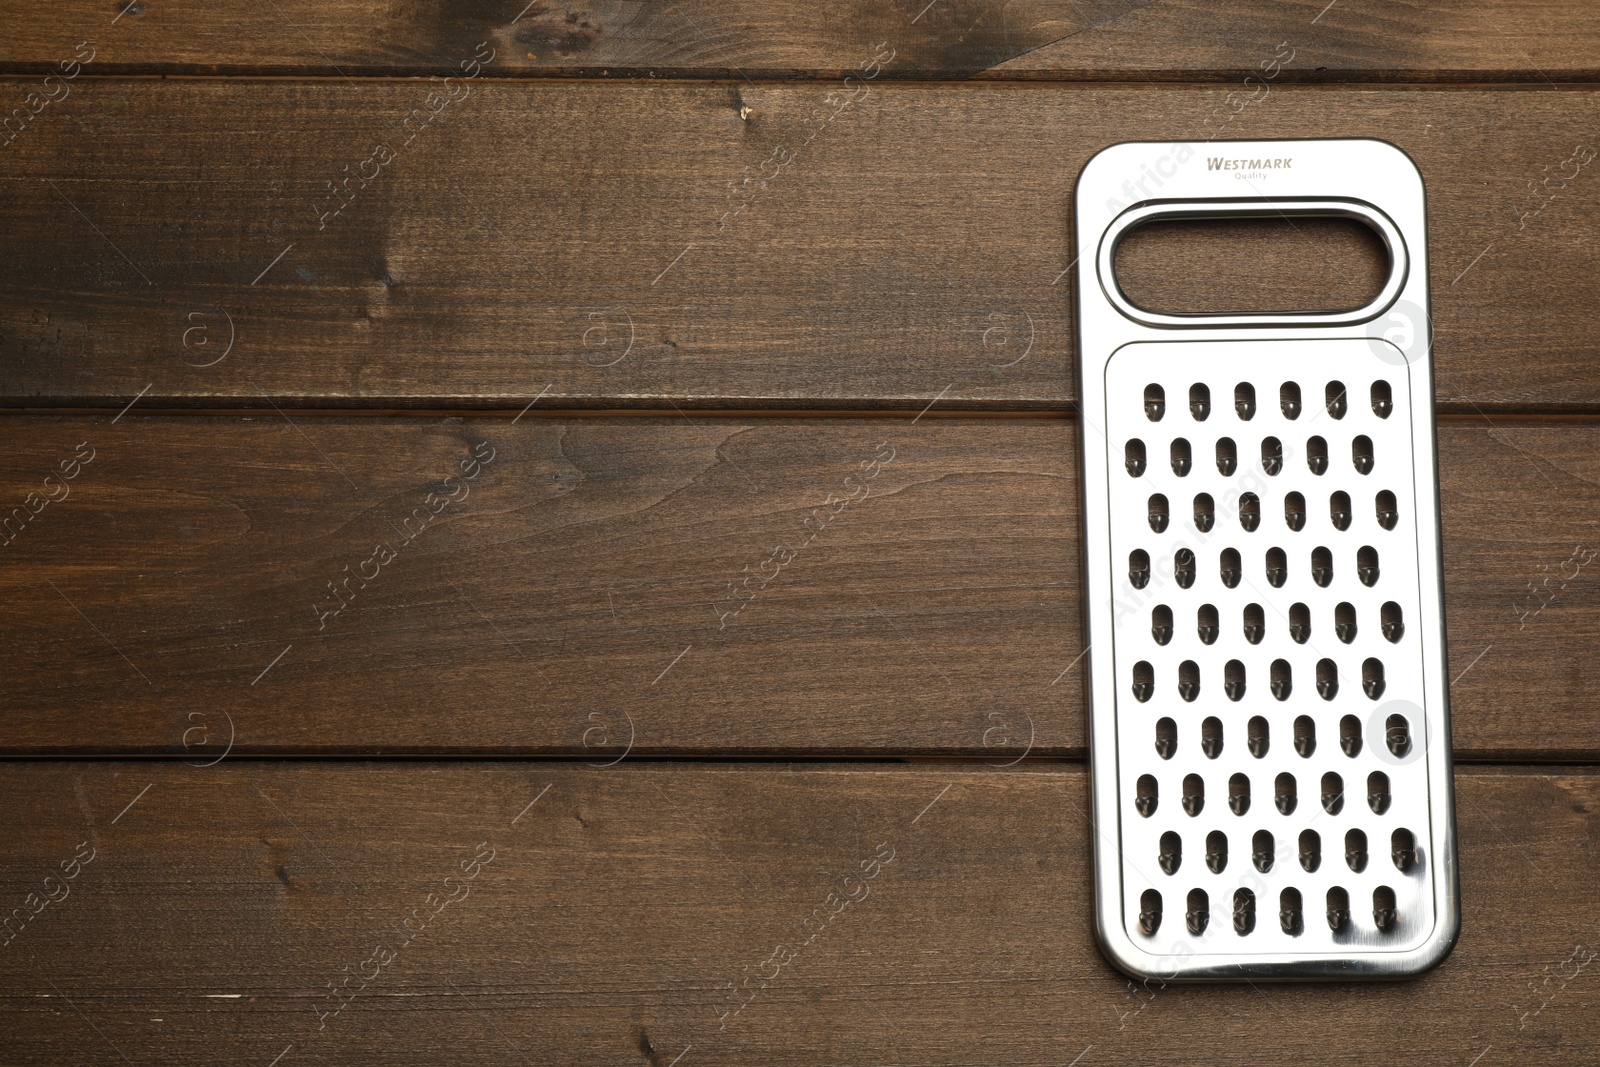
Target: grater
[(1269, 723)]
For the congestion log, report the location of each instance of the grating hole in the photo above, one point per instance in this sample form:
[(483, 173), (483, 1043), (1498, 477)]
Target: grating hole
[(1277, 568), (1181, 456), (1258, 736), (1211, 737), (1138, 568), (1350, 736), (1321, 566), (1198, 915), (1206, 624), (1271, 455), (1327, 679), (1188, 680), (1227, 456), (1305, 736), (1339, 510), (1150, 912), (1158, 513), (1394, 625), (1161, 624), (1317, 455), (1249, 512), (1403, 850), (1239, 793), (1166, 737), (1299, 623), (1144, 681), (1338, 909), (1384, 914), (1255, 623), (1367, 565), (1244, 911), (1282, 679), (1232, 568), (1361, 454), (1194, 794), (1378, 795), (1372, 679), (1200, 402), (1284, 793), (1155, 402), (1344, 622), (1355, 850), (1332, 793), (1294, 511), (1233, 680), (1183, 567), (1133, 457), (1382, 399), (1171, 854), (1310, 850), (1147, 795), (1290, 914), (1205, 512), (1397, 735), (1244, 401), (1388, 510), (1289, 400), (1335, 399), (1263, 850), (1217, 851)]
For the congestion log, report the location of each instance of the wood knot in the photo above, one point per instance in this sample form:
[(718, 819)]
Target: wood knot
[(568, 31)]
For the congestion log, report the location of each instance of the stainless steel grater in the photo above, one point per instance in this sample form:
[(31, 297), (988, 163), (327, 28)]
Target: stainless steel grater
[(1269, 737)]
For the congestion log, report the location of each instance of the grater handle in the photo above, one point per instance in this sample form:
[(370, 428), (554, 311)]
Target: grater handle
[(1253, 207)]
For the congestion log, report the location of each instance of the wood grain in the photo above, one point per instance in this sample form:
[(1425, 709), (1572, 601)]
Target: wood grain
[(581, 592), (1531, 40), (219, 907), (561, 242)]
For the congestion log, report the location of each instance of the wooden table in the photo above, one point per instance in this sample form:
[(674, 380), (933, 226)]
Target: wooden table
[(420, 642)]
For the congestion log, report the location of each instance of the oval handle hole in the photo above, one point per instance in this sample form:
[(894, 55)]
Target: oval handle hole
[(1251, 265)]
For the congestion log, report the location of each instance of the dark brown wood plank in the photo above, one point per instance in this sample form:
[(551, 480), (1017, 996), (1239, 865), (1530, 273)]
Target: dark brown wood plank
[(562, 242), (1107, 39), (590, 585), (615, 911)]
